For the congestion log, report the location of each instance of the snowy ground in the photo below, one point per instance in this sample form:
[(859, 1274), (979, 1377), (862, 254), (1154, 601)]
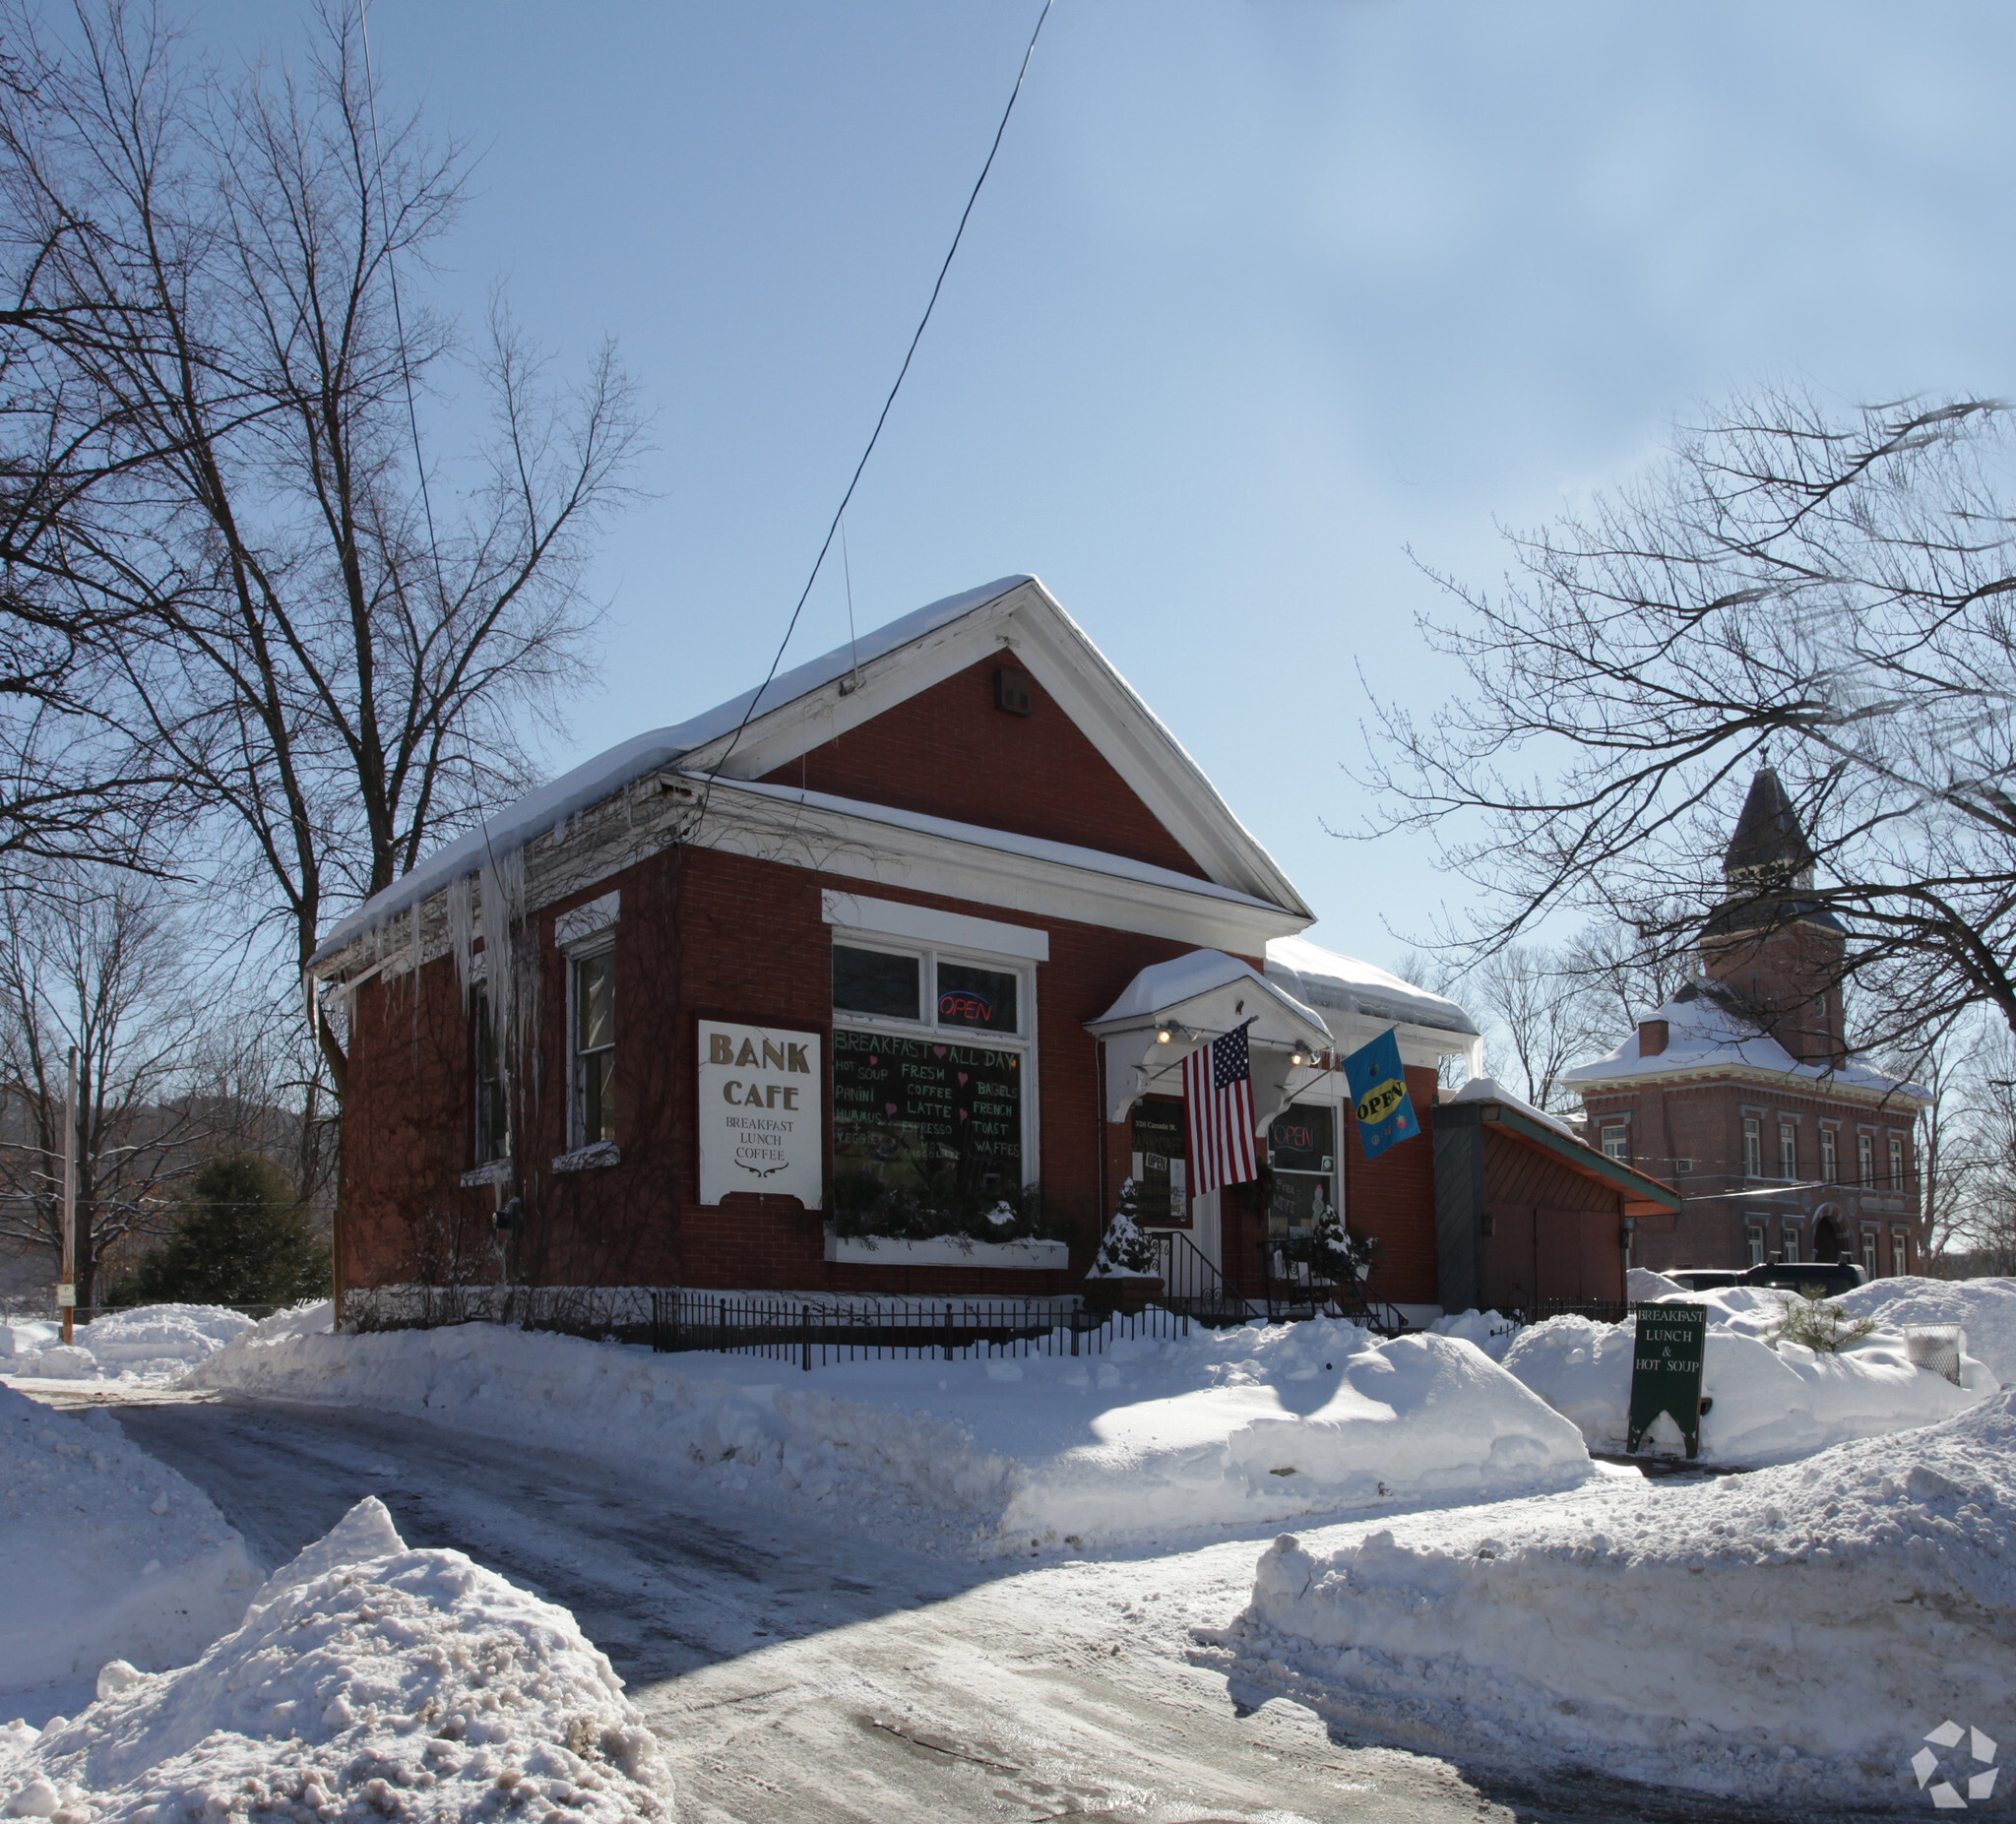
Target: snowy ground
[(104, 1553), (801, 1671), (364, 1680), (1803, 1629), (1151, 1439), (148, 1346)]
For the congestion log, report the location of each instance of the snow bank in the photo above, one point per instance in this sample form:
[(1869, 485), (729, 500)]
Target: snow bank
[(365, 1681), (105, 1552), (150, 1343), (1984, 1308), (1801, 1629), (1770, 1405), (1246, 1427), (1492, 1331), (1642, 1283)]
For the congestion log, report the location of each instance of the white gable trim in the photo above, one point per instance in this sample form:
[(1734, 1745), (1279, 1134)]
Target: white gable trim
[(853, 912)]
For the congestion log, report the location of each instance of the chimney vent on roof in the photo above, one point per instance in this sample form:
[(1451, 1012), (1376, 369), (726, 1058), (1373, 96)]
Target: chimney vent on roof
[(1652, 1038)]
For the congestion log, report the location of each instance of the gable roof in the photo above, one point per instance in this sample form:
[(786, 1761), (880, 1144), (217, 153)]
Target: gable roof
[(1544, 1134), (752, 734)]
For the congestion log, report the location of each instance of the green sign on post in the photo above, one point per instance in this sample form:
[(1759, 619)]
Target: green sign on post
[(1665, 1371)]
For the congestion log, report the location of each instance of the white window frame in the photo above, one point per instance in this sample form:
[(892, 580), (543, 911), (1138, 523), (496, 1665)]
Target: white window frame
[(1865, 1161), (1753, 1239), (1871, 1242), (1897, 1162), (603, 943), (1899, 1250), (1339, 1186), (1617, 1141), (928, 957), (1830, 1155), (1788, 1149), (1753, 1147), (1790, 1243)]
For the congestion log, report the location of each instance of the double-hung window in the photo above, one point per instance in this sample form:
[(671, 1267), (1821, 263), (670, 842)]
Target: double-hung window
[(932, 1055), (493, 1123), (1753, 1147), (1830, 1161), (1865, 1161), (1788, 1149), (1895, 1163), (1869, 1252), (592, 1033), (1616, 1142)]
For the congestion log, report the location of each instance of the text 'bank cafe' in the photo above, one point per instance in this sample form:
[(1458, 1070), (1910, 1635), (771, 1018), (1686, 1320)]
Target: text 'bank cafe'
[(882, 986)]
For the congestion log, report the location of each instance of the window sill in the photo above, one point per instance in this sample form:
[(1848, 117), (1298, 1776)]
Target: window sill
[(590, 1159), (495, 1171)]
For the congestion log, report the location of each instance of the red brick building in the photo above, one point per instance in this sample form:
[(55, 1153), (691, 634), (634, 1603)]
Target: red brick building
[(1743, 1093), (755, 1001)]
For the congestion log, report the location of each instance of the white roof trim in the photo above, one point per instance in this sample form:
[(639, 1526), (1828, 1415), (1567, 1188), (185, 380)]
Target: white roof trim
[(854, 912)]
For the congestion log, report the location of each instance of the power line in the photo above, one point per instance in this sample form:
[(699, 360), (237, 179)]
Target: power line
[(882, 418)]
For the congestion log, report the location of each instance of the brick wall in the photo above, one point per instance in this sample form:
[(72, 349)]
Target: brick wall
[(949, 752)]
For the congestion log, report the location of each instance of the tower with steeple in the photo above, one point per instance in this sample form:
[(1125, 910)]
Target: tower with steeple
[(1740, 1089)]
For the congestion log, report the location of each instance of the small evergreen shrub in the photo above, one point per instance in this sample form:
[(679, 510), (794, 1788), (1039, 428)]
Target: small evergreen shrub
[(1820, 1326), (241, 1238), (1124, 1249)]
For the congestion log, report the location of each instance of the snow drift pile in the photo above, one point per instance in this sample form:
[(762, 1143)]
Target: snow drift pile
[(105, 1552), (1251, 1425), (151, 1343), (1769, 1403), (1984, 1308), (1800, 1629), (366, 1680)]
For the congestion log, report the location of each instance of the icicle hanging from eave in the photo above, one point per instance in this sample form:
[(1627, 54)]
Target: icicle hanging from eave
[(461, 935)]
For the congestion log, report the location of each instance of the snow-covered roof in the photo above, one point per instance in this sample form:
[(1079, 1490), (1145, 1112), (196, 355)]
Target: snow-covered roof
[(1491, 1090), (892, 663), (1164, 985), (1706, 1030), (1324, 978), (628, 761)]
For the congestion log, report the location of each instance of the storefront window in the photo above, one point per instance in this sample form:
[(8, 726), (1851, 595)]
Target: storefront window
[(1301, 1148), (1160, 1166), (874, 982), (924, 1120)]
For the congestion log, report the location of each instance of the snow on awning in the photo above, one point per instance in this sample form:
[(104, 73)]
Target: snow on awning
[(1194, 998)]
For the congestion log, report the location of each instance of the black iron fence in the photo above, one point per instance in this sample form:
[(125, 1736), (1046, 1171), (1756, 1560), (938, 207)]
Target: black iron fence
[(1598, 1311), (948, 1329)]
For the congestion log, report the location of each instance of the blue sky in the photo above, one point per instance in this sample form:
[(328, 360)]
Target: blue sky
[(1261, 294)]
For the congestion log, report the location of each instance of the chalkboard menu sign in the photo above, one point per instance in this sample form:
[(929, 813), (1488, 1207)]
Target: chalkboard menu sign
[(906, 1109), (1665, 1371)]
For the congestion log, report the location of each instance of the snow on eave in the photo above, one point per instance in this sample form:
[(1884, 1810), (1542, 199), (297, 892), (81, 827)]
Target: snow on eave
[(1489, 1090), (1327, 978)]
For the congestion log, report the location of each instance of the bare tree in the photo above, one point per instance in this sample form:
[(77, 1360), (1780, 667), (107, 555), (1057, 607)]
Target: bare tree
[(1539, 1017), (98, 966), (1831, 591), (334, 639)]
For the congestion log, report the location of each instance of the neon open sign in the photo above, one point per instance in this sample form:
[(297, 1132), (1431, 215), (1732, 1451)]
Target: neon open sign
[(964, 1004)]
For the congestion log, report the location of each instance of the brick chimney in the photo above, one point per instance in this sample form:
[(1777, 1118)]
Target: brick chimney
[(1652, 1037)]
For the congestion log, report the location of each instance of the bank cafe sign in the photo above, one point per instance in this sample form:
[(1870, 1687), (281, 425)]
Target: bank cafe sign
[(761, 1125)]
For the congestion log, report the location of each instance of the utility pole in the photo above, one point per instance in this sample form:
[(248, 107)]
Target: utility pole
[(66, 1292)]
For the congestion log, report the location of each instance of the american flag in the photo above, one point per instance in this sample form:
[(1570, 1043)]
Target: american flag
[(1217, 1104)]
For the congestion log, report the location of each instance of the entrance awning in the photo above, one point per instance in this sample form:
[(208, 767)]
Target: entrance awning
[(1171, 1008)]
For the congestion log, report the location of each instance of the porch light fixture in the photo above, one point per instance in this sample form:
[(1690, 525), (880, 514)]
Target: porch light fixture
[(1163, 1038)]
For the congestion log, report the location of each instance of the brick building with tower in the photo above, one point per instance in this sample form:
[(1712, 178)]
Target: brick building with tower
[(1740, 1089)]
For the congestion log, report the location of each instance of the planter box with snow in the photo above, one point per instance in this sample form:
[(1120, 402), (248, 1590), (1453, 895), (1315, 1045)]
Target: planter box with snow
[(947, 1251)]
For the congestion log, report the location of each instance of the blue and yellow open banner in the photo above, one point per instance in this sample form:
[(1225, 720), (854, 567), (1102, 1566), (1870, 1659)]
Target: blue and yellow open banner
[(1378, 1087)]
